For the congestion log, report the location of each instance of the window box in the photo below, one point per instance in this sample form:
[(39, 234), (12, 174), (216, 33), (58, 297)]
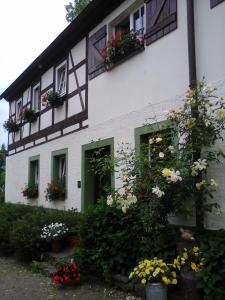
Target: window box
[(31, 192), (123, 46), (29, 115), (11, 126), (53, 99), (55, 190)]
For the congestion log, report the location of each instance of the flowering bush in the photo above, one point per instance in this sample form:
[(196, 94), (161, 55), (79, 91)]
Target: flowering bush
[(189, 260), (121, 45), (154, 271), (66, 273), (55, 190), (28, 115), (54, 231), (11, 126), (30, 192)]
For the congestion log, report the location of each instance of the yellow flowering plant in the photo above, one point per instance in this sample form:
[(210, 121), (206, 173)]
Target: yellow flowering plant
[(154, 271), (190, 260)]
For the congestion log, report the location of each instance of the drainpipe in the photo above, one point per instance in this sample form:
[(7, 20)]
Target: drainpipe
[(191, 43), (199, 213)]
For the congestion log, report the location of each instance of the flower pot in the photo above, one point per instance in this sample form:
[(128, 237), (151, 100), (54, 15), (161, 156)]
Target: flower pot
[(57, 101), (190, 286), (56, 245), (156, 291), (72, 240)]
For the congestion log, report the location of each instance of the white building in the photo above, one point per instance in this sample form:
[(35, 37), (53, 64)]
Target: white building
[(184, 41)]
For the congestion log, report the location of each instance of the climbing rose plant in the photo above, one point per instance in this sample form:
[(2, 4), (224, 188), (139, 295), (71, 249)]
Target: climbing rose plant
[(169, 174)]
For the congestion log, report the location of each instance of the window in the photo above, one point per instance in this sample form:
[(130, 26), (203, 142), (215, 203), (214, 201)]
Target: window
[(144, 135), (36, 98), (34, 171), (61, 79), (133, 21), (59, 167), (18, 110), (138, 21)]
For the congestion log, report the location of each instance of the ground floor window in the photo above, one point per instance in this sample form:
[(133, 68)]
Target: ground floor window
[(59, 167), (144, 139), (34, 171)]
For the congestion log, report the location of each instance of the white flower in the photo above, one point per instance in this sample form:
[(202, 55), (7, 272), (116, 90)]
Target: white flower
[(214, 183), (171, 149), (132, 199), (220, 114), (123, 175), (170, 113), (156, 190), (199, 165), (151, 141), (110, 200), (174, 176), (207, 122), (158, 139), (124, 208), (208, 89), (161, 154)]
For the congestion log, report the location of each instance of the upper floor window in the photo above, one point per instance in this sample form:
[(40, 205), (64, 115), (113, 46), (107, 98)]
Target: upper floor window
[(132, 22), (18, 110), (61, 79), (36, 98)]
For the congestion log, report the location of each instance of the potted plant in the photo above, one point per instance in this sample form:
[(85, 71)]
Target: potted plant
[(54, 233), (121, 46), (55, 190), (156, 275), (29, 115), (52, 99), (11, 126), (30, 191), (67, 274), (189, 263)]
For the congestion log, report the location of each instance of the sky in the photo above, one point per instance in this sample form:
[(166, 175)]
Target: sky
[(27, 27)]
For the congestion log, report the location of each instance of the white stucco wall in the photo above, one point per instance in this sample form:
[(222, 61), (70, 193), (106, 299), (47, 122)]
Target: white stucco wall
[(122, 129), (156, 74), (210, 42)]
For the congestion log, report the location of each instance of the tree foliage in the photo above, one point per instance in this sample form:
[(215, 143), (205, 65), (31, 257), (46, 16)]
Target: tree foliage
[(75, 8)]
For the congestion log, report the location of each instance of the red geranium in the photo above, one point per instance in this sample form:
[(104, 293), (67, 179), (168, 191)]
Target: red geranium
[(67, 273)]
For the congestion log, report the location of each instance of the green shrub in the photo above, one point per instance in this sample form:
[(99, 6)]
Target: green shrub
[(213, 272), (20, 228), (111, 241)]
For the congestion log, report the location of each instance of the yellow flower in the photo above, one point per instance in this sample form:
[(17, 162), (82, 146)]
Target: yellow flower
[(174, 274), (193, 266), (143, 281), (165, 280), (200, 185), (174, 281), (131, 275), (165, 172), (196, 249), (185, 255)]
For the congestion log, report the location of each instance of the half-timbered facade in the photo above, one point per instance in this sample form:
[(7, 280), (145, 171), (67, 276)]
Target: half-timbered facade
[(181, 42)]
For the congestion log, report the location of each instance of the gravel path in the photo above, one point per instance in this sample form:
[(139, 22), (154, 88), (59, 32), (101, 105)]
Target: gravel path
[(19, 283)]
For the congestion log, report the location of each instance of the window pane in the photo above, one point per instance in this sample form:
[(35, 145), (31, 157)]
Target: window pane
[(123, 26), (19, 107), (36, 98), (139, 21), (61, 86)]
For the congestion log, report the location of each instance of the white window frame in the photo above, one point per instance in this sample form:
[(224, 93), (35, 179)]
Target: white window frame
[(18, 110), (130, 11), (59, 81), (35, 101)]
